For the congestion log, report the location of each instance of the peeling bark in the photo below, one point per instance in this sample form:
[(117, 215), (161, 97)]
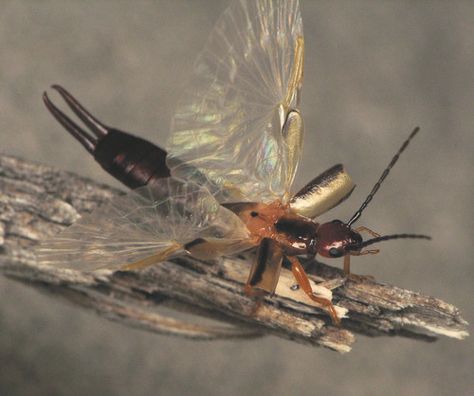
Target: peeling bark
[(37, 202)]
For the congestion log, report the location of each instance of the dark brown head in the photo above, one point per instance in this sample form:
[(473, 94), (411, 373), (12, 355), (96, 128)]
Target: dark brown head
[(336, 239)]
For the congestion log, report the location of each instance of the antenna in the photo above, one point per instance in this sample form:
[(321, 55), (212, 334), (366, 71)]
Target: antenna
[(385, 173), (393, 236)]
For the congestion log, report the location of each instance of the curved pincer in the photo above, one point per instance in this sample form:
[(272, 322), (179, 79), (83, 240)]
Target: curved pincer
[(130, 159), (87, 139)]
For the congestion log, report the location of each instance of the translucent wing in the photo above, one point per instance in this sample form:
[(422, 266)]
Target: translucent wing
[(148, 222), (236, 127)]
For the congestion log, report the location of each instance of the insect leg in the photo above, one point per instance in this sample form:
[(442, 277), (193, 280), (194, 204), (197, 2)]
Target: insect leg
[(258, 296), (347, 264), (151, 260), (264, 274), (367, 230), (302, 279), (266, 268), (365, 252), (347, 258)]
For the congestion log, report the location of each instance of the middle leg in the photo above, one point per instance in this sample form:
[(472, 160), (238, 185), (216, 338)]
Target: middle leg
[(302, 279)]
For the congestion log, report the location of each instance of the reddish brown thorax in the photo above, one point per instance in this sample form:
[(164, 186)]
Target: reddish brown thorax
[(294, 234), (260, 218), (297, 234), (335, 239)]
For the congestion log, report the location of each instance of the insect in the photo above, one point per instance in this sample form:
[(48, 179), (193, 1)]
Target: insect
[(225, 185)]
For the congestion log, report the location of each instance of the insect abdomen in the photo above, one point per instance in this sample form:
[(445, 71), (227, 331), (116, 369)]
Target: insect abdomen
[(130, 159)]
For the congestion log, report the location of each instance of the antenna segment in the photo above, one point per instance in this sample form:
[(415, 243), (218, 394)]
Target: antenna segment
[(385, 173)]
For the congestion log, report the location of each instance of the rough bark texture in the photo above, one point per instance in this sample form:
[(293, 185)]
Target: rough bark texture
[(38, 201)]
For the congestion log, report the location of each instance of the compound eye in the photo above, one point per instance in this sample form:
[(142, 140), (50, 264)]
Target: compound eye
[(356, 239), (335, 252)]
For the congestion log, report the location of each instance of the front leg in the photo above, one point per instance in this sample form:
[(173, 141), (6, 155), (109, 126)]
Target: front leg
[(347, 266), (347, 257), (367, 230)]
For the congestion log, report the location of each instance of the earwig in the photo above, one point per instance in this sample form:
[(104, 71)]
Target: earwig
[(225, 187), (133, 161)]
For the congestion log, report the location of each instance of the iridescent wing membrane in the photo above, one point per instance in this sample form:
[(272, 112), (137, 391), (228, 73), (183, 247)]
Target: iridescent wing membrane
[(237, 135), (237, 127), (148, 224)]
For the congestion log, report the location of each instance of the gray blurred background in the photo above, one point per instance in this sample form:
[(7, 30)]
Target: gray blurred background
[(373, 71)]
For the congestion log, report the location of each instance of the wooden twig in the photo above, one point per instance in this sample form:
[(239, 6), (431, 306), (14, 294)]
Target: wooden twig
[(37, 202)]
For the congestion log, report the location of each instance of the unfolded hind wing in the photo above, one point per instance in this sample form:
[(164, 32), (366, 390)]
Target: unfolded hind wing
[(237, 127), (149, 222)]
